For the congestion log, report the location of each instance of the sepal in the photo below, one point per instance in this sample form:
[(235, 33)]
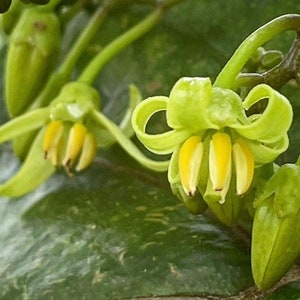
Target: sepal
[(194, 204), (227, 211), (74, 102)]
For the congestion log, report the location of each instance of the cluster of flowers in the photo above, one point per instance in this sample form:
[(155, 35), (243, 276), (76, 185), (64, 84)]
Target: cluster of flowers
[(222, 156)]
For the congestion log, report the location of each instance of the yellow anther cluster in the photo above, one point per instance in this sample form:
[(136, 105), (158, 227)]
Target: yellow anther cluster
[(79, 146), (222, 156)]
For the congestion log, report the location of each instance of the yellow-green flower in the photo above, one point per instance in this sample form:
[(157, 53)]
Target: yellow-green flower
[(215, 145), (63, 146), (70, 130)]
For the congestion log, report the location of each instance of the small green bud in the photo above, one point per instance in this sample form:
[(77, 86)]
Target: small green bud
[(33, 50), (276, 227), (271, 58)]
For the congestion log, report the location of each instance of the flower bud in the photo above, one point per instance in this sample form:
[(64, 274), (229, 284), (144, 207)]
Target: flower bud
[(33, 50), (271, 58), (276, 227)]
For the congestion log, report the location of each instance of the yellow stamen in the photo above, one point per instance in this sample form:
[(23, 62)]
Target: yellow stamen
[(220, 160), (244, 165), (190, 158), (75, 144), (51, 140), (88, 152)]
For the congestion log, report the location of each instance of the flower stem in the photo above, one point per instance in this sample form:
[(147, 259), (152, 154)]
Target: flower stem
[(227, 76), (83, 40), (95, 66), (59, 78), (50, 6)]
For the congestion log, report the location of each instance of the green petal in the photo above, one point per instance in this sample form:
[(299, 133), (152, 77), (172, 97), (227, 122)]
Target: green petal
[(74, 102), (103, 136), (274, 122), (173, 171), (34, 171), (266, 153), (23, 124), (163, 143), (226, 108), (135, 98), (103, 122), (187, 107)]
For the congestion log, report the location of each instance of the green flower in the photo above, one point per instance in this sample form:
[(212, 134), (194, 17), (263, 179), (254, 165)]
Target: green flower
[(212, 139), (69, 131)]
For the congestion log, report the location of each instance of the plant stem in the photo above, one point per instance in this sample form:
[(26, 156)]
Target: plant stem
[(227, 76), (95, 66), (51, 5), (80, 45), (59, 78)]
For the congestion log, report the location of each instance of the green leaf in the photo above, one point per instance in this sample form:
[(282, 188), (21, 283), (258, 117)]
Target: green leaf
[(289, 291), (110, 234)]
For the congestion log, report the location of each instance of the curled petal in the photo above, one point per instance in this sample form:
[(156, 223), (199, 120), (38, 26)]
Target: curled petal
[(190, 158), (267, 152), (220, 160), (188, 103), (135, 98), (101, 120), (162, 143), (273, 123), (244, 165), (103, 136)]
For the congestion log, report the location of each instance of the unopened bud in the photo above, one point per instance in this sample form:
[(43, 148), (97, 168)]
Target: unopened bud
[(33, 50)]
